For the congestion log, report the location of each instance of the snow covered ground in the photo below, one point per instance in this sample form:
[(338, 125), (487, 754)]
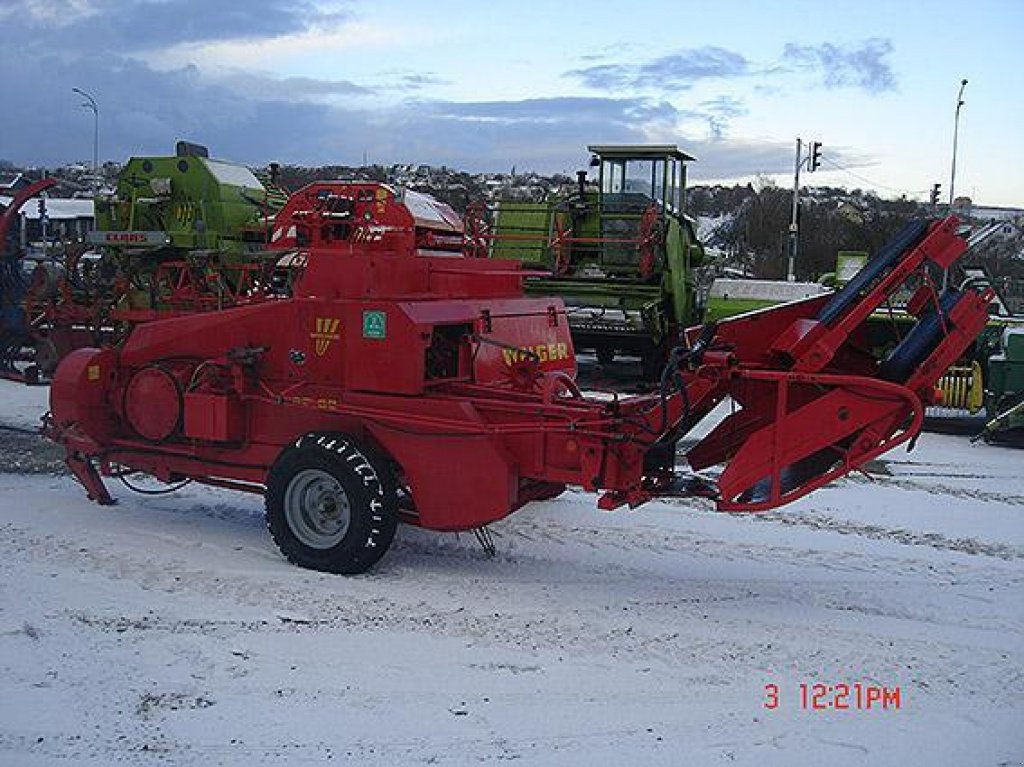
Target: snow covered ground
[(168, 630)]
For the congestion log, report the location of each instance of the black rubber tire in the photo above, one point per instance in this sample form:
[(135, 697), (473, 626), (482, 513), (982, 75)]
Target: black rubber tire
[(368, 488)]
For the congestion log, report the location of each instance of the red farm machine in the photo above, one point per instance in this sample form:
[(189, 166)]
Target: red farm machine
[(402, 380)]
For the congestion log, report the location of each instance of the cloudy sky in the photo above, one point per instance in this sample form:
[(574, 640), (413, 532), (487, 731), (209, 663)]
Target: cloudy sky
[(488, 85)]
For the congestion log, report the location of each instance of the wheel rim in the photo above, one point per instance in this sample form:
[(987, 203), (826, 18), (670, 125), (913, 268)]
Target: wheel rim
[(317, 509)]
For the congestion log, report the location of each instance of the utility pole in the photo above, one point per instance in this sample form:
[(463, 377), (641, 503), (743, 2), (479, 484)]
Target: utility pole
[(952, 171), (956, 130), (44, 221), (813, 162), (794, 229), (90, 103)]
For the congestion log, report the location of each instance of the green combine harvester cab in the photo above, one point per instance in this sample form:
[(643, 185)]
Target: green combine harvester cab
[(621, 252)]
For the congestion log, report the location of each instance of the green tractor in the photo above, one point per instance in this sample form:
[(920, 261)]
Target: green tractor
[(621, 252)]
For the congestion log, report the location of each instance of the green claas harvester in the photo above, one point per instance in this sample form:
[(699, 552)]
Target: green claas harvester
[(178, 233), (186, 203), (620, 253)]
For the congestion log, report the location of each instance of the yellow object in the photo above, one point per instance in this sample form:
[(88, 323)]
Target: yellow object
[(976, 395), (962, 387)]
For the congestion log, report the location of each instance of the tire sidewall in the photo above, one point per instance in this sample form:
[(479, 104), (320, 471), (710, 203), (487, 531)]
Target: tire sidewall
[(370, 488)]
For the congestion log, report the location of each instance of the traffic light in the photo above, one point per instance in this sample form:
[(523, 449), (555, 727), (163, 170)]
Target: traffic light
[(815, 155), (935, 193), (42, 207)]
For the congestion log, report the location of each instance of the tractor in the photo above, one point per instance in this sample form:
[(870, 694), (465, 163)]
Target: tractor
[(401, 380), (621, 255)]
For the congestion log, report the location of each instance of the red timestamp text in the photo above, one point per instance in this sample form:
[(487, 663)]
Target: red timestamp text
[(841, 696)]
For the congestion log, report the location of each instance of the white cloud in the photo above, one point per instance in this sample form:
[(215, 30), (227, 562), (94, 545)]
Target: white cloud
[(270, 52), (61, 13)]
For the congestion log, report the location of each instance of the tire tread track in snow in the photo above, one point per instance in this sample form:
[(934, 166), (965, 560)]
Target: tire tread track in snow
[(169, 630), (667, 631)]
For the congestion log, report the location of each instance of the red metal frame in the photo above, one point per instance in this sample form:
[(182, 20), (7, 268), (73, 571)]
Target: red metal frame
[(20, 198), (7, 218)]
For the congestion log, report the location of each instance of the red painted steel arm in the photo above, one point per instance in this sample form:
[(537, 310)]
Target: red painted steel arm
[(20, 198)]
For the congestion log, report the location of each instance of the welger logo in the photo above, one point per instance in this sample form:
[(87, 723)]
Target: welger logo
[(544, 352), (326, 331)]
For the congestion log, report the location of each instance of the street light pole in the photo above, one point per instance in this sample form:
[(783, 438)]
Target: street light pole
[(90, 103), (956, 131), (794, 230)]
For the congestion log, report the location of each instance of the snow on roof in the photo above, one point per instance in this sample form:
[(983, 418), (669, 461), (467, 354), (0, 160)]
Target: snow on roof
[(639, 151), (995, 213), (56, 208), (10, 180)]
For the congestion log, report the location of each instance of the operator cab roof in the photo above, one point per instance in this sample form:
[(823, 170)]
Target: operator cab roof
[(639, 151)]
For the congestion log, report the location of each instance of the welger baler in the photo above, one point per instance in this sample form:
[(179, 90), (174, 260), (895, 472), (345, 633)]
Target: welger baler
[(404, 381)]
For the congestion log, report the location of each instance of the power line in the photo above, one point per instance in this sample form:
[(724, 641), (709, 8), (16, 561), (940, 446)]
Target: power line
[(857, 176)]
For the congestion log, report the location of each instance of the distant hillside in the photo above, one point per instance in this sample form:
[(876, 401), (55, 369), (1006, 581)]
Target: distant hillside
[(747, 228), (754, 223)]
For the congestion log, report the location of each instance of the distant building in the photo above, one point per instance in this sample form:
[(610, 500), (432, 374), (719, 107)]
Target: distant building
[(66, 218), (12, 182), (995, 213)]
